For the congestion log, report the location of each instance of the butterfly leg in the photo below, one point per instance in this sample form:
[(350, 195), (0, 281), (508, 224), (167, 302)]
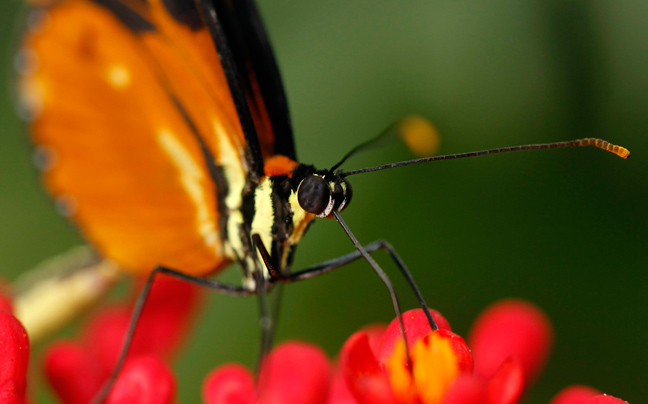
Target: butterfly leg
[(266, 317), (277, 276), (232, 290), (269, 311), (338, 262), (318, 269)]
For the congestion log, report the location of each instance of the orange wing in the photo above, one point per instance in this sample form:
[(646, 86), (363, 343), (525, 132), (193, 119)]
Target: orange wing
[(142, 138)]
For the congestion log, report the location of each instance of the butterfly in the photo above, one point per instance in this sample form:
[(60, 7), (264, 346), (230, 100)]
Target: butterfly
[(163, 132), (142, 142)]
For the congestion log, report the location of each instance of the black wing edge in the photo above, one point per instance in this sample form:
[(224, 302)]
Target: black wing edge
[(246, 38), (213, 20), (246, 27), (129, 14)]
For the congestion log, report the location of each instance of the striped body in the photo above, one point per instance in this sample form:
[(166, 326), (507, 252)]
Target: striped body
[(140, 142)]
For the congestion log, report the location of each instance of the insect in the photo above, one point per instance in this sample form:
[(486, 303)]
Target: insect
[(163, 132)]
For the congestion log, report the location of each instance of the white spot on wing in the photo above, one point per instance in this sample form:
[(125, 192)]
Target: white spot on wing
[(29, 109), (26, 61), (37, 21), (32, 93), (191, 177), (66, 205), (44, 158), (119, 77)]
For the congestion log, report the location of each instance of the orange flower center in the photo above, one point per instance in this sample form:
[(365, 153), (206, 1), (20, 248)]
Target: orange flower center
[(435, 367)]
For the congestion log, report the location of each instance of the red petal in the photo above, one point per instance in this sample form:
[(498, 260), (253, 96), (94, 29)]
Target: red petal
[(507, 384), (375, 333), (511, 328), (416, 327), (575, 395), (605, 399), (505, 387), (14, 358), (162, 325), (167, 315), (229, 384), (73, 373), (144, 380), (339, 392), (104, 336), (466, 390), (460, 349), (295, 373), (365, 379)]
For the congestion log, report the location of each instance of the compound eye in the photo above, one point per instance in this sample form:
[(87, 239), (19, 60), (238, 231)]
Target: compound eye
[(314, 195)]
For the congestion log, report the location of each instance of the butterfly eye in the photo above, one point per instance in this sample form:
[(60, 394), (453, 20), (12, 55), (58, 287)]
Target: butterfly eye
[(314, 195)]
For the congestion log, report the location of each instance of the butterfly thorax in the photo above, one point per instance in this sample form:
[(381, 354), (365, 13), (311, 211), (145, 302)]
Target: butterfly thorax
[(279, 209)]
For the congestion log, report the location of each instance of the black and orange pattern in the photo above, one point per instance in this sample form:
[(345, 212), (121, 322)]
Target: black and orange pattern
[(145, 144)]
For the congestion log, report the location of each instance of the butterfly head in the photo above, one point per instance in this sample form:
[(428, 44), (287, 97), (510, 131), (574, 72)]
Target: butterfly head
[(285, 203), (322, 192)]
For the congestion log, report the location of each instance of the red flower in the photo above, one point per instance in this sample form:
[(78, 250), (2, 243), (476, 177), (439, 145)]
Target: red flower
[(144, 380), (584, 395), (77, 370), (14, 358), (511, 341), (510, 344), (161, 328), (575, 395), (232, 384), (383, 375), (511, 329), (294, 372)]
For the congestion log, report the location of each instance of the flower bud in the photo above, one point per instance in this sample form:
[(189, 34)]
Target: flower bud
[(144, 380), (14, 358)]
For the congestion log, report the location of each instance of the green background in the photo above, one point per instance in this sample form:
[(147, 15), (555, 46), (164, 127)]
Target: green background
[(564, 229)]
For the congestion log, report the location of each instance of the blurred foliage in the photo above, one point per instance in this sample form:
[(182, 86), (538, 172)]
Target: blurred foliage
[(565, 229)]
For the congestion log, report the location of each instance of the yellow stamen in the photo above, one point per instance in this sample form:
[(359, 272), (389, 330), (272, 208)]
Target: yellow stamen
[(435, 369)]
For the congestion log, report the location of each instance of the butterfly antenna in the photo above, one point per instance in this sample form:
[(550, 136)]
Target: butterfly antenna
[(599, 143), (417, 132), (387, 131), (383, 276)]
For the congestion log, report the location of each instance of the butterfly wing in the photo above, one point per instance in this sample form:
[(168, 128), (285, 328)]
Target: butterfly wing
[(260, 76), (138, 134)]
